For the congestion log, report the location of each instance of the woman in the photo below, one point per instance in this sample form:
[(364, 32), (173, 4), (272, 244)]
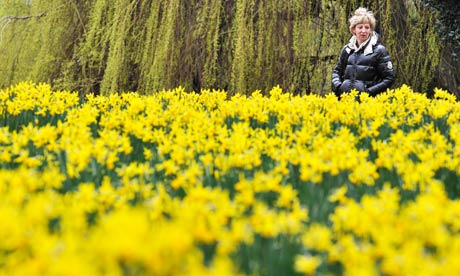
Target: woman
[(364, 63)]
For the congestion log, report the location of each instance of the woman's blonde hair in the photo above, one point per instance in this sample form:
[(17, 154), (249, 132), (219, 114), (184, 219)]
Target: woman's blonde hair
[(362, 15)]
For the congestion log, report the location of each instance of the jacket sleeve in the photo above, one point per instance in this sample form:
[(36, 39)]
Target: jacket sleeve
[(338, 71), (385, 72)]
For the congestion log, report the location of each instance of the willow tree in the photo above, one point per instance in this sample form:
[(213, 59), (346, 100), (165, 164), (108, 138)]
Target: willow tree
[(151, 45), (38, 38), (240, 46)]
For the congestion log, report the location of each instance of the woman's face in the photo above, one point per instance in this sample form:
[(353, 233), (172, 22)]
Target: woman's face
[(362, 32)]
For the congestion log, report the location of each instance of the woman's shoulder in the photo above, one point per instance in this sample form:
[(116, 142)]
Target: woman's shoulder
[(380, 48)]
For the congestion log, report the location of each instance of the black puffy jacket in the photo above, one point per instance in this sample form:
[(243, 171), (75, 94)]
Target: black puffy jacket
[(369, 69)]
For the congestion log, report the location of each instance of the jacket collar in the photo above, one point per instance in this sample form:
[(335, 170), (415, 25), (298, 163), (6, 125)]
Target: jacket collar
[(368, 44)]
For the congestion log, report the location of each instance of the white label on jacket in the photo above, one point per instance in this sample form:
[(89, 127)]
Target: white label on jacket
[(389, 65)]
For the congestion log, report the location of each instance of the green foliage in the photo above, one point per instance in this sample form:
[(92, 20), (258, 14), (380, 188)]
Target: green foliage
[(240, 46), (448, 23), (447, 26)]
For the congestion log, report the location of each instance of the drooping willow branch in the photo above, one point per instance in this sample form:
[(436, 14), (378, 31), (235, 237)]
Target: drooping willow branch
[(6, 20), (10, 18)]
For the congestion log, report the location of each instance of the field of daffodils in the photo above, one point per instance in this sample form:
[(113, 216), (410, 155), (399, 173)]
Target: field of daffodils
[(184, 183)]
